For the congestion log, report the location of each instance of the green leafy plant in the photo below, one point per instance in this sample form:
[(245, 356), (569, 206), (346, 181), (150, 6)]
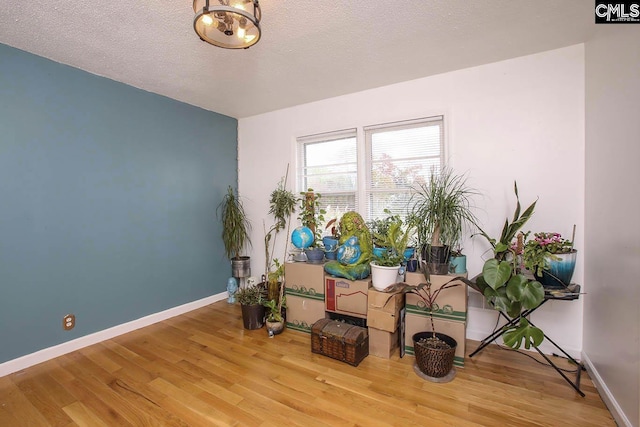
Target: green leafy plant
[(235, 224), (441, 208), (274, 309), (395, 243), (250, 295), (380, 226), (505, 287), (282, 204), (542, 248), (311, 214), (429, 296)]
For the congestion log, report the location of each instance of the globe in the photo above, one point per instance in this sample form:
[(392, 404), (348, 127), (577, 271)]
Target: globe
[(349, 252), (302, 237)]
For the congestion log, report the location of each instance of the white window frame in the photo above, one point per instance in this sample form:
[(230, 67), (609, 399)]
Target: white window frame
[(363, 155)]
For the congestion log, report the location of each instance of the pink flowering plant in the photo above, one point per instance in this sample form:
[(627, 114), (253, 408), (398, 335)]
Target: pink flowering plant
[(542, 248)]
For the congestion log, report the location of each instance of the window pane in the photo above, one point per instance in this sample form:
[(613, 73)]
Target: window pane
[(394, 201), (329, 166), (401, 156), (402, 174)]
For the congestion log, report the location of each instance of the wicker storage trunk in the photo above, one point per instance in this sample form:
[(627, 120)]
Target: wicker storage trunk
[(341, 341)]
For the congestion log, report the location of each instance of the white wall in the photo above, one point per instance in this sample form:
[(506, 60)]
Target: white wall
[(521, 119), (611, 319)]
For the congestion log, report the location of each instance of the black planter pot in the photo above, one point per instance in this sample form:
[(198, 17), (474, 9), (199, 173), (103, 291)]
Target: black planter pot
[(253, 316), (437, 258), (434, 362)]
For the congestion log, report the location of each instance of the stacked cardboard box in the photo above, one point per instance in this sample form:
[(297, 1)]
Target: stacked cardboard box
[(449, 314), (383, 318), (346, 296), (304, 288)]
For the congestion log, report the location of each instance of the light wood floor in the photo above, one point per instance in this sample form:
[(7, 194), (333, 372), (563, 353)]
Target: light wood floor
[(203, 369)]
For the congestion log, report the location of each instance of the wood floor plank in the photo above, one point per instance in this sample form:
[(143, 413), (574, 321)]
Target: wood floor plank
[(202, 368)]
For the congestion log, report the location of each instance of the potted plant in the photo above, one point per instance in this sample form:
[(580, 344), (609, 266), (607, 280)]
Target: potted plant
[(551, 258), (274, 318), (235, 233), (434, 351), (457, 261), (331, 240), (440, 209), (504, 285), (312, 216), (379, 228), (386, 265), (251, 300), (282, 204)]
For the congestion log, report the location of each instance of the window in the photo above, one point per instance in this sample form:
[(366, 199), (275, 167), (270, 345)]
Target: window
[(400, 156), (397, 157), (328, 164)]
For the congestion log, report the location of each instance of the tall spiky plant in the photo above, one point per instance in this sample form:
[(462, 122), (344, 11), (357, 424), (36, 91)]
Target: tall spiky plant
[(441, 208), (235, 224)]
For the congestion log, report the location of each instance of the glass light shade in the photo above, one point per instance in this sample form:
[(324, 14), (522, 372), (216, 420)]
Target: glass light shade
[(231, 24)]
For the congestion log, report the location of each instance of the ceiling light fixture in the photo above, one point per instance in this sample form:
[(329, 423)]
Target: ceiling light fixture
[(231, 24)]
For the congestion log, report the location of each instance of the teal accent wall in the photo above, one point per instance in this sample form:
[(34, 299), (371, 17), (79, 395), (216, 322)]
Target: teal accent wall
[(108, 199)]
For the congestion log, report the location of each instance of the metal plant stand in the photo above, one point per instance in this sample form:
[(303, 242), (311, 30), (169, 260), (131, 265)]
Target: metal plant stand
[(572, 293)]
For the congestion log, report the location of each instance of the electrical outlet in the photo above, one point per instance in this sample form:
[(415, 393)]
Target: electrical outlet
[(68, 322)]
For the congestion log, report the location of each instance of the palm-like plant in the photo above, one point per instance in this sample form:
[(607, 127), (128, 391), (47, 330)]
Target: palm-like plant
[(235, 224), (441, 208)]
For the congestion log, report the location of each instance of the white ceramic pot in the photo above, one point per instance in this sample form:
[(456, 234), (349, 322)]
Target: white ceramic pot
[(383, 277)]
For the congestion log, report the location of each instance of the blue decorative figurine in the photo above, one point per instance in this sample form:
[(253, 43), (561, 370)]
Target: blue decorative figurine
[(232, 288)]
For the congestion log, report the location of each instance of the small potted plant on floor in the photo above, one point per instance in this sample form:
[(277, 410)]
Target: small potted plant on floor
[(235, 233), (275, 307), (551, 258), (251, 300), (434, 351)]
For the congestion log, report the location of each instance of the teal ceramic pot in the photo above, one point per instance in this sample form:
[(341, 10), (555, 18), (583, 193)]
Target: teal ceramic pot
[(378, 252), (458, 264), (330, 247), (408, 253), (560, 272)]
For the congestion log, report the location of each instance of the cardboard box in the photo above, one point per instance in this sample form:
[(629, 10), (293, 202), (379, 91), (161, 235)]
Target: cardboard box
[(303, 312), (451, 303), (421, 323), (304, 279), (346, 296), (382, 343), (383, 310)]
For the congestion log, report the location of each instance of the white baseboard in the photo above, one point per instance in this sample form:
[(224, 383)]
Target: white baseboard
[(43, 355), (606, 395)]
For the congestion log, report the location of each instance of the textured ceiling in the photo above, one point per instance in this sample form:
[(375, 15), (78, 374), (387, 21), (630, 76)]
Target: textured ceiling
[(310, 50)]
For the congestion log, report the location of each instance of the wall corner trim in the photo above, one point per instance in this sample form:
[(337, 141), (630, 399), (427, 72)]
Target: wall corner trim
[(43, 355), (607, 397)]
